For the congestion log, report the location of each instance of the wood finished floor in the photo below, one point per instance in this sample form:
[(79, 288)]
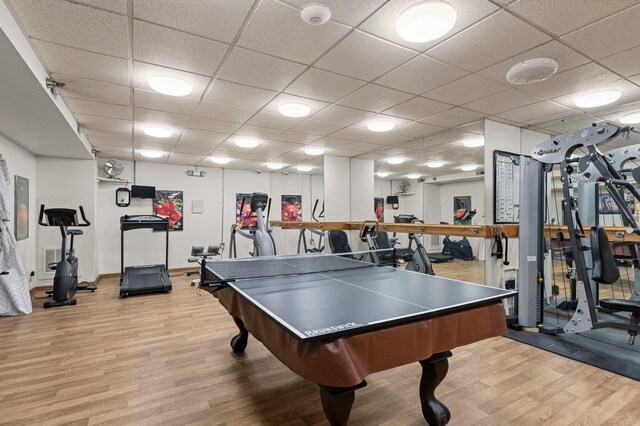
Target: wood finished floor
[(165, 359)]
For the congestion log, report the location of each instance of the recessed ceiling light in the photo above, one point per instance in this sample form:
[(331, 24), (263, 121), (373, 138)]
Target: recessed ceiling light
[(243, 142), (469, 167), (434, 164), (599, 98), (532, 71), (314, 151), (426, 21), (294, 109), (383, 174), (414, 175), (380, 125), (149, 153), (631, 118), (158, 131), (168, 85), (221, 160), (473, 143), (395, 160), (275, 166), (315, 14), (304, 168)]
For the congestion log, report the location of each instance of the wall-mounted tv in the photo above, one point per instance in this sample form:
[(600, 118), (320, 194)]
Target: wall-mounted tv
[(139, 191)]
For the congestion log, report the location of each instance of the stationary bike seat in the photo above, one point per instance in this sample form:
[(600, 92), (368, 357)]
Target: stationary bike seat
[(74, 231), (52, 266)]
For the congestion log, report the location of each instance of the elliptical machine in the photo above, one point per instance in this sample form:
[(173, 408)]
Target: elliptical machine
[(65, 281), (263, 244)]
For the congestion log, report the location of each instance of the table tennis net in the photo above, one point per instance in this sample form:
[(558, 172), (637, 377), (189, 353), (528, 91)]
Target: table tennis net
[(273, 266)]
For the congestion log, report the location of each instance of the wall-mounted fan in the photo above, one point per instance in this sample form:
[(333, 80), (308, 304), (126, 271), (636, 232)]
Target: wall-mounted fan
[(113, 168), (404, 186)]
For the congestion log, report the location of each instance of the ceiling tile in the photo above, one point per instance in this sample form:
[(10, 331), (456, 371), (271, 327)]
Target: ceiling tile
[(224, 92), (258, 132), (213, 125), (118, 6), (142, 72), (383, 22), (483, 45), (200, 151), (103, 126), (79, 63), (630, 93), (465, 90), (275, 148), (375, 98), (144, 117), (341, 115), (418, 130), (259, 70), (323, 85), (273, 120), (74, 25), (612, 35), (201, 139), (626, 63), (476, 127), (92, 90), (222, 112), (157, 101), (566, 57), (534, 111), (500, 102), (174, 49), (346, 144), (219, 20), (230, 145), (316, 127), (349, 12), (397, 120), (184, 159), (579, 78), (282, 98), (295, 137), (561, 17), (276, 29), (354, 56), (453, 117), (417, 108), (363, 135), (79, 106), (410, 77), (237, 154)]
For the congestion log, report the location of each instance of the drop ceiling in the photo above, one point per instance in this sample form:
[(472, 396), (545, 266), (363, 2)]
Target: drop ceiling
[(244, 57)]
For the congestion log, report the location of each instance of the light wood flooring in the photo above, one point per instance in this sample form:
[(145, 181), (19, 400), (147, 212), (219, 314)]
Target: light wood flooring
[(165, 359)]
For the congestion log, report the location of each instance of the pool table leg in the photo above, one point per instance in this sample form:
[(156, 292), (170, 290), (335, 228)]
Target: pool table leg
[(239, 342), (337, 403), (434, 369)]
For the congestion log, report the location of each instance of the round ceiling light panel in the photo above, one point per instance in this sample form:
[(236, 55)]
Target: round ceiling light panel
[(426, 21)]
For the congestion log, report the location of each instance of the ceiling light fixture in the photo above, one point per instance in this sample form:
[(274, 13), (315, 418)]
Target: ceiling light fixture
[(149, 153), (395, 160), (221, 160), (426, 21), (169, 85), (532, 71), (315, 14), (469, 167), (473, 143), (599, 98), (157, 131), (414, 175), (304, 168), (314, 151), (631, 118), (383, 174), (380, 125), (243, 142), (294, 109), (434, 164), (275, 166)]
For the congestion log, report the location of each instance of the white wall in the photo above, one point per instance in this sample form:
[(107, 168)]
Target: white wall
[(67, 183), (22, 163)]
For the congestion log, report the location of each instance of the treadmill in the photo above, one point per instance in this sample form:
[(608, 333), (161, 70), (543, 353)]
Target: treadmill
[(145, 278)]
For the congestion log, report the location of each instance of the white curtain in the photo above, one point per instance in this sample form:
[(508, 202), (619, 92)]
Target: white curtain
[(14, 287)]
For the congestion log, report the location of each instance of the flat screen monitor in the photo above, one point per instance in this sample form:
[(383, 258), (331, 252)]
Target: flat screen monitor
[(139, 191)]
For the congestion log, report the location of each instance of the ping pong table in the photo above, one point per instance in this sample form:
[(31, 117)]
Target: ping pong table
[(333, 320)]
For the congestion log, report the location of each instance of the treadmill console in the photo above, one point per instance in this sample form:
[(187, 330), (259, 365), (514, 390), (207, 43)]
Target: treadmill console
[(157, 223)]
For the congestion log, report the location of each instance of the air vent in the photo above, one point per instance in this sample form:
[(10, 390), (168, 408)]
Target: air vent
[(49, 255), (435, 240)]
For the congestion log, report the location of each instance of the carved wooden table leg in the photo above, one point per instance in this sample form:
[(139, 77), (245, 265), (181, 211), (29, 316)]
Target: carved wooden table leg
[(434, 369), (239, 342), (337, 403)]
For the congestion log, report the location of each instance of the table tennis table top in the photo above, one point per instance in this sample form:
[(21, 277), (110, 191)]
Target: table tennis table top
[(323, 297)]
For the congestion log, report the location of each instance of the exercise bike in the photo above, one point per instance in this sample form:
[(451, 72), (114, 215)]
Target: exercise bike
[(65, 281)]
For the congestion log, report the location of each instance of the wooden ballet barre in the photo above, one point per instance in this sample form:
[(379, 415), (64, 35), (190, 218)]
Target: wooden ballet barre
[(614, 233)]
